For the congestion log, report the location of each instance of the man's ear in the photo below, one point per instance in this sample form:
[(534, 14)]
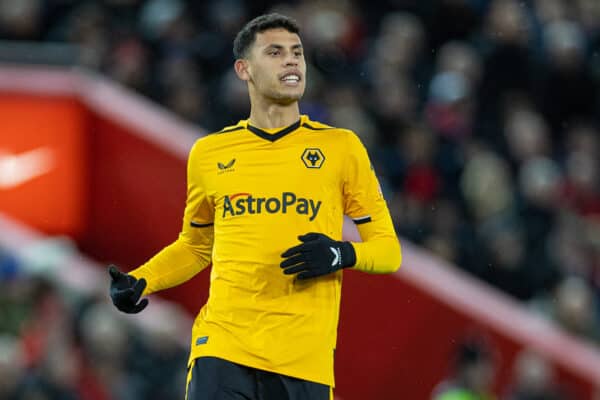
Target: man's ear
[(241, 69)]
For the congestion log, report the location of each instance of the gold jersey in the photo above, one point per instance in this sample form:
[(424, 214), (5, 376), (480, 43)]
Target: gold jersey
[(251, 193)]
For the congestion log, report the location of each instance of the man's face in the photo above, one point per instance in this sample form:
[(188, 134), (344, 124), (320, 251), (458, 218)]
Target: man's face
[(276, 67)]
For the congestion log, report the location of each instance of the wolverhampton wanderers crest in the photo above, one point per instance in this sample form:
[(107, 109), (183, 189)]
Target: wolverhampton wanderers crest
[(313, 157)]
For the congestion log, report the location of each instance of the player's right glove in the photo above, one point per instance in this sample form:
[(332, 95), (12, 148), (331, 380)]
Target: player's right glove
[(125, 291)]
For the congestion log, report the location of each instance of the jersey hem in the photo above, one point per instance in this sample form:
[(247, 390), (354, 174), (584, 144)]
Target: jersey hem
[(262, 367)]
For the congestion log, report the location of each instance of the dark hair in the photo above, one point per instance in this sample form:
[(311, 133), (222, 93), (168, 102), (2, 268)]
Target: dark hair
[(470, 351), (247, 35)]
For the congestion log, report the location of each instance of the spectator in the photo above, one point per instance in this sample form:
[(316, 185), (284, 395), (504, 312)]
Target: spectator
[(533, 378), (575, 308), (12, 367), (472, 373)]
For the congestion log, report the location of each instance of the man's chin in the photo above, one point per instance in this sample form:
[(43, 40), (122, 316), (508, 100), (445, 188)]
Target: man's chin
[(286, 98)]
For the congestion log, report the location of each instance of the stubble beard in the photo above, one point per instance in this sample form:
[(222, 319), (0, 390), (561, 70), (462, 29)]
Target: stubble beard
[(276, 95), (283, 98)]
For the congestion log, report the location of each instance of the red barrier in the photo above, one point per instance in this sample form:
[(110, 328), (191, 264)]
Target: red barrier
[(396, 331), (43, 161), (138, 193)]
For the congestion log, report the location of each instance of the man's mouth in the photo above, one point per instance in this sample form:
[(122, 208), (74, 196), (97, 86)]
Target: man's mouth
[(291, 78)]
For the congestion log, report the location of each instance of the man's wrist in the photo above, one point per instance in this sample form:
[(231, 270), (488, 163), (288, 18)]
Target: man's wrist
[(348, 255)]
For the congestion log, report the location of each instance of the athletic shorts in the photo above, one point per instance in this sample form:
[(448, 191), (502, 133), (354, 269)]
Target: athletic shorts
[(211, 378)]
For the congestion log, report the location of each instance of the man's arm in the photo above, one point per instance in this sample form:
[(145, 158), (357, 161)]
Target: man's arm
[(379, 252), (192, 250), (176, 263)]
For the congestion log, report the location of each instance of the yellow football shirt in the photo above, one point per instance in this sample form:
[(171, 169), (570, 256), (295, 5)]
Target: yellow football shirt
[(251, 192)]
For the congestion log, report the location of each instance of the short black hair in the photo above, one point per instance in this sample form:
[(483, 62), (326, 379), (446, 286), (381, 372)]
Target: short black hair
[(247, 35)]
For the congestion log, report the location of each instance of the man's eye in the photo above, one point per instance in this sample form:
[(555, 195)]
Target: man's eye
[(274, 52)]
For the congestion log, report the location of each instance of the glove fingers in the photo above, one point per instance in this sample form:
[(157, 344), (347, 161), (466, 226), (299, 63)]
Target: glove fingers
[(288, 262), (138, 288), (125, 300), (124, 295), (139, 306), (293, 250), (295, 269), (308, 274), (122, 299), (114, 273), (309, 237)]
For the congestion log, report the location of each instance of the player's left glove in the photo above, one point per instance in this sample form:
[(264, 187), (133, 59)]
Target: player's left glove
[(317, 255)]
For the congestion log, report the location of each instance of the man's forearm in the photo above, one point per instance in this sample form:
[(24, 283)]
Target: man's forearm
[(377, 247), (173, 265), (378, 255)]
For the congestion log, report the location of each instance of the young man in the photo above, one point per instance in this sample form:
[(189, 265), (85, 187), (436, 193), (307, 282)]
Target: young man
[(265, 203)]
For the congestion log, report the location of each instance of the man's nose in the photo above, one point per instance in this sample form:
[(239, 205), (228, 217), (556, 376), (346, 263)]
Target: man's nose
[(290, 61)]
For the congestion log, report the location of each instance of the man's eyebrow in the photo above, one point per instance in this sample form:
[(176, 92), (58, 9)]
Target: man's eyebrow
[(279, 47)]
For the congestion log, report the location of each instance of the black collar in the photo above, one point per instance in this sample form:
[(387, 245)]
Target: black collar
[(274, 136)]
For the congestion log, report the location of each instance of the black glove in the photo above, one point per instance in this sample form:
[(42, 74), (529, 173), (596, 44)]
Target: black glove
[(317, 255), (125, 291)]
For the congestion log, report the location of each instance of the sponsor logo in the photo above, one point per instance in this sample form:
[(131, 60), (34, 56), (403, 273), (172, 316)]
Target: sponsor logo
[(19, 169), (246, 203), (226, 167), (313, 157), (337, 256)]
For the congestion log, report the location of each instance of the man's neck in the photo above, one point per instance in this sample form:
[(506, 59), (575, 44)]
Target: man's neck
[(274, 115)]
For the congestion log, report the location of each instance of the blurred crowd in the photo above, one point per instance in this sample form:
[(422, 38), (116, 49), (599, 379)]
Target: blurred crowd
[(481, 116), (58, 343), (473, 369)]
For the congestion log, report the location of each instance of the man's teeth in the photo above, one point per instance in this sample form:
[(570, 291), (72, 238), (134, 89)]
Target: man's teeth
[(291, 78)]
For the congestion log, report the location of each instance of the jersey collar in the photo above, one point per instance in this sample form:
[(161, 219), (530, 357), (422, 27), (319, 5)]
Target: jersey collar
[(277, 134)]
